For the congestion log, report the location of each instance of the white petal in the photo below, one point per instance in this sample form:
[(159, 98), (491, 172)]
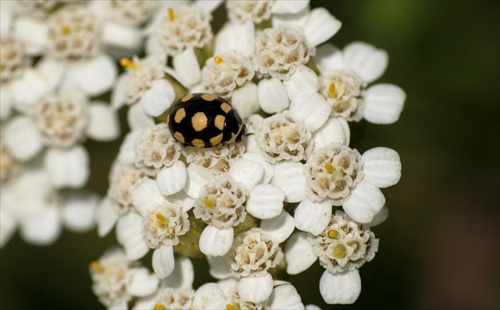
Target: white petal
[(198, 176), (146, 196), (216, 241), (384, 103), (289, 7), (290, 178), (129, 233), (121, 36), (280, 227), (244, 100), (67, 168), (6, 17), (335, 130), (106, 216), (6, 102), (187, 202), (33, 32), (367, 61), (94, 76), (187, 69), (28, 90), (182, 276), (247, 172), (340, 288), (142, 283), (265, 201), (158, 98), (299, 253), (220, 266), (379, 218), (312, 307), (118, 96), (163, 261), (22, 138), (320, 26), (103, 123), (126, 155), (7, 227), (312, 217), (293, 20), (329, 58), (209, 296), (255, 288), (304, 80), (365, 202), (41, 229), (171, 180), (382, 166), (52, 71), (272, 95), (137, 119), (313, 109), (285, 297), (258, 158), (236, 37), (228, 285), (79, 210)]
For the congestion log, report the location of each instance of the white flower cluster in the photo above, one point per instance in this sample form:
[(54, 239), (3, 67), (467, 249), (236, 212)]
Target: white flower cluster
[(54, 63), (254, 209)]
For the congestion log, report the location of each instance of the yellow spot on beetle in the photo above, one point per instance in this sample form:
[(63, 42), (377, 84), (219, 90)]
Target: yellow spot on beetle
[(171, 15), (96, 267), (332, 91), (330, 168), (127, 63), (187, 97), (198, 143), (179, 137), (218, 60), (199, 121), (216, 140), (226, 107), (219, 122), (179, 115), (208, 97)]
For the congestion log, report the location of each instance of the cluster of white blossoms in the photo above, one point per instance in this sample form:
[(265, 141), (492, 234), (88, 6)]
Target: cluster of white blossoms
[(293, 192)]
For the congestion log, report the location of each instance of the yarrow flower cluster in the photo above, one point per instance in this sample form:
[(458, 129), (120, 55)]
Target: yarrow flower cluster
[(293, 191)]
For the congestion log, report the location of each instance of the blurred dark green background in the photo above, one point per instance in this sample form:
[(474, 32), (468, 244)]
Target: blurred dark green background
[(440, 246)]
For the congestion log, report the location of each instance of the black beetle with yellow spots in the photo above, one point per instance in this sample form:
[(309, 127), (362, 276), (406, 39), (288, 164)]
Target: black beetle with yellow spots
[(205, 120)]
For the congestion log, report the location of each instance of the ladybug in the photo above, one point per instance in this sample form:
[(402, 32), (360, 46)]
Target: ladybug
[(205, 120)]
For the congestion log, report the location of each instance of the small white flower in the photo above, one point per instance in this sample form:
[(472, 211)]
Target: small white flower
[(279, 51), (156, 222), (243, 11), (218, 160), (253, 253), (223, 73), (284, 137), (60, 122), (31, 203), (342, 248), (22, 85), (144, 88), (284, 296), (344, 79), (122, 21), (176, 29), (116, 280), (155, 148)]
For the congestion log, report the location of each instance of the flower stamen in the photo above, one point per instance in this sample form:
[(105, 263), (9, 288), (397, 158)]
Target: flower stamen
[(209, 203), (65, 29), (96, 267), (127, 63), (218, 60), (159, 307), (330, 168), (332, 91), (171, 15)]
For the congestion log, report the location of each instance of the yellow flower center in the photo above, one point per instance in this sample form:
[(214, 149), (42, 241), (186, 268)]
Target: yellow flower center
[(330, 168), (171, 15), (209, 203), (332, 233), (332, 91), (127, 63), (218, 60), (65, 29), (97, 267), (159, 307), (339, 251)]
